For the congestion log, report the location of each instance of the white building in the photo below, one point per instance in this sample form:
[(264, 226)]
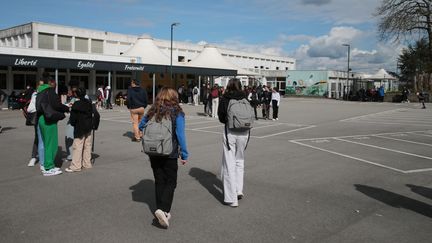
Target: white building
[(56, 41)]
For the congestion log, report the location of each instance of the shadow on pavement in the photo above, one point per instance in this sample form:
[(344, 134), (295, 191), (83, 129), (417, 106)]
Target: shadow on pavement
[(129, 135), (209, 181), (395, 200), (8, 128), (423, 191), (201, 114), (144, 192)]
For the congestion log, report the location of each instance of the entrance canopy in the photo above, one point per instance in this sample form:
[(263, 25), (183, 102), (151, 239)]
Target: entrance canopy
[(210, 57), (27, 57)]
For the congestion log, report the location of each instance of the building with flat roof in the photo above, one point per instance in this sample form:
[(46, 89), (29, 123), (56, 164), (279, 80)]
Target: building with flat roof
[(96, 58)]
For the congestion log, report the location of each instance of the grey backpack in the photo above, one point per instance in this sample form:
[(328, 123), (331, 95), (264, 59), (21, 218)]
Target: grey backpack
[(158, 136), (240, 115)]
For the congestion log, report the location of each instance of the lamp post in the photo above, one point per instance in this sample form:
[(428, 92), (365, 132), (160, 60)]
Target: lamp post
[(172, 27), (348, 69)]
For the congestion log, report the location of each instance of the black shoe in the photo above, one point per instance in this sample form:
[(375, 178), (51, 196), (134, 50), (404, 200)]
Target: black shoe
[(240, 197)]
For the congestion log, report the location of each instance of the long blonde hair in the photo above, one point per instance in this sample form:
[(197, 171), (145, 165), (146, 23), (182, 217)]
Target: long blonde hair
[(166, 105)]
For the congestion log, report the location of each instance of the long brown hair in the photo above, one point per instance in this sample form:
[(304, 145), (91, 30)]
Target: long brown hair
[(166, 105)]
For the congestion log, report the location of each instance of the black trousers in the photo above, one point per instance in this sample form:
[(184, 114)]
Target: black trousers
[(35, 144), (275, 109), (165, 175)]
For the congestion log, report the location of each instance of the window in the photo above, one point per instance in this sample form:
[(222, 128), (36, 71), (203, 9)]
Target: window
[(64, 43), (81, 44), (2, 80), (101, 81), (190, 76), (181, 59), (83, 80), (97, 46), (262, 67), (20, 81), (122, 82), (286, 68), (46, 41), (161, 75)]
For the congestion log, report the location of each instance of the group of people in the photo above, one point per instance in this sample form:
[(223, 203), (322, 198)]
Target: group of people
[(261, 96), (48, 109), (103, 96)]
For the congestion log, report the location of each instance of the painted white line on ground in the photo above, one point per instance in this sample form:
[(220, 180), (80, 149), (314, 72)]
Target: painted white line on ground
[(419, 170), (294, 130), (391, 123), (408, 122), (383, 148), (361, 135), (348, 156), (372, 114), (404, 140), (424, 135)]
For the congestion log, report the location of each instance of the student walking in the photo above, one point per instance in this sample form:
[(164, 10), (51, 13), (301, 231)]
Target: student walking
[(421, 98), (266, 100), (136, 103), (49, 112), (84, 119), (215, 100), (196, 93), (275, 101), (235, 140), (253, 99), (165, 109)]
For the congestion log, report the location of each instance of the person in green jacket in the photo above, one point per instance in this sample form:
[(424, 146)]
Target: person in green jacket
[(49, 131)]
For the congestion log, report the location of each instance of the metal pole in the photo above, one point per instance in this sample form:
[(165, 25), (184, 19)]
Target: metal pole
[(171, 51), (199, 88), (56, 80), (348, 69)]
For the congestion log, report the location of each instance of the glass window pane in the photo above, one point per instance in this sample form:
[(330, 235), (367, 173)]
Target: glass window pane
[(96, 46), (81, 44), (2, 80), (46, 41), (64, 43)]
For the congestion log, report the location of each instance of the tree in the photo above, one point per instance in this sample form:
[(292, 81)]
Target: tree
[(403, 19), (414, 64)]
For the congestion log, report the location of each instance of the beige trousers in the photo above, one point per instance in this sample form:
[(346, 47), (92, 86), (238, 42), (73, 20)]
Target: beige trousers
[(81, 156), (136, 116)]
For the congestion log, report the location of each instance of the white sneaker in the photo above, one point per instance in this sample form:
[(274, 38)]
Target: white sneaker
[(273, 119), (32, 162), (277, 119), (162, 218), (42, 168), (52, 172)]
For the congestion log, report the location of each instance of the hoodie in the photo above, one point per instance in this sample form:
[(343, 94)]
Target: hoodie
[(82, 117), (224, 101), (136, 98)]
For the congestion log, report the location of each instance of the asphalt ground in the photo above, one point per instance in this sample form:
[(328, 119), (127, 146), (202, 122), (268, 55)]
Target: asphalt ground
[(327, 171)]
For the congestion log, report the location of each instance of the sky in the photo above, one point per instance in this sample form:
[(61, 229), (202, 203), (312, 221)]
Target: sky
[(311, 31)]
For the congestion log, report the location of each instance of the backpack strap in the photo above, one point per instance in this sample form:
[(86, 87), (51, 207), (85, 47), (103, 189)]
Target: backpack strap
[(247, 140), (226, 137)]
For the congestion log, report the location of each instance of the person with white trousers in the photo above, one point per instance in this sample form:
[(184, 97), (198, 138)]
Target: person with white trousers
[(234, 145), (196, 93), (275, 102)]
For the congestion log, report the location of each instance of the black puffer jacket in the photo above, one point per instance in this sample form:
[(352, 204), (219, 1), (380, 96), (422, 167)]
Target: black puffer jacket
[(81, 118), (224, 101)]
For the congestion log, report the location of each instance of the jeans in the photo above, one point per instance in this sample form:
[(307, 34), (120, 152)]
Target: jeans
[(41, 148)]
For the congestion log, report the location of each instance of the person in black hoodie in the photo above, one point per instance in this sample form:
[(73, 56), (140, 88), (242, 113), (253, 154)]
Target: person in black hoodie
[(136, 103), (83, 117), (233, 156)]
